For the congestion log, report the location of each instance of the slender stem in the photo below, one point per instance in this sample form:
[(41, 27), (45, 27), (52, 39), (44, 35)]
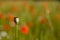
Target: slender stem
[(16, 33), (49, 21)]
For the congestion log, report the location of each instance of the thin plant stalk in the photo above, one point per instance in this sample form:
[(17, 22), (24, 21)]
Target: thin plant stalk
[(16, 32)]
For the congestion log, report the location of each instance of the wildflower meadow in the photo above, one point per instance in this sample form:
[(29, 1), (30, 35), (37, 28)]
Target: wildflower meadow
[(29, 20)]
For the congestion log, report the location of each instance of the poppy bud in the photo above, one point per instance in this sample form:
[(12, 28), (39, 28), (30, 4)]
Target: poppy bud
[(16, 20)]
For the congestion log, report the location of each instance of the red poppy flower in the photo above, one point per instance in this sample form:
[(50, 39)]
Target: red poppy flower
[(32, 10), (43, 20), (57, 16), (24, 29), (25, 4), (1, 16), (1, 3), (10, 17), (31, 7), (14, 8), (6, 27), (30, 24), (45, 5)]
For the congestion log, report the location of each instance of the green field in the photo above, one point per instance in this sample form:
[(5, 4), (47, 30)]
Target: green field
[(37, 20)]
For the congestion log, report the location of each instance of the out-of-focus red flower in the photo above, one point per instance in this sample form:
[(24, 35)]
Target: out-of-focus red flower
[(14, 8), (43, 20), (10, 17), (25, 4), (32, 10), (1, 3), (1, 16), (6, 27), (58, 7), (31, 7), (57, 16), (45, 5), (24, 29), (30, 24), (33, 13)]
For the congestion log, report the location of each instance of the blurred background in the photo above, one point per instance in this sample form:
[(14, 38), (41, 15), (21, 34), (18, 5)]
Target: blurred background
[(37, 20)]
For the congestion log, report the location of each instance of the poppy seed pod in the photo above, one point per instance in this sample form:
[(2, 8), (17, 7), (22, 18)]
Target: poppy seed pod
[(16, 20)]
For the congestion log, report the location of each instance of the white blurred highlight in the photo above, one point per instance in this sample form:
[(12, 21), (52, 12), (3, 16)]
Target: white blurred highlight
[(3, 34)]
